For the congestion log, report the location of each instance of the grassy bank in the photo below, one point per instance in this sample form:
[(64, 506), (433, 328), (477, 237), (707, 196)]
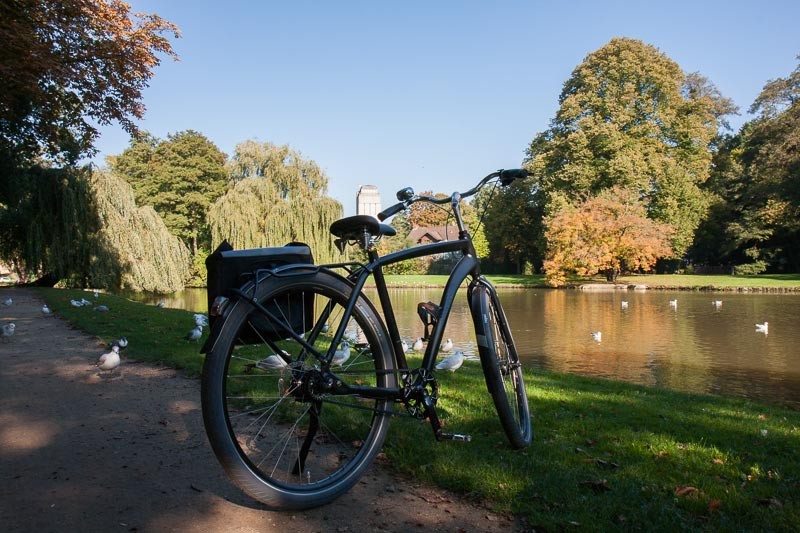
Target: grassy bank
[(605, 455)]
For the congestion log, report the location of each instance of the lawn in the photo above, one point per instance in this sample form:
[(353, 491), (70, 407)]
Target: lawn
[(605, 455)]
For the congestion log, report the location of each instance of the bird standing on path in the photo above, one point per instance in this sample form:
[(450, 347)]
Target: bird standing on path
[(763, 328), (8, 301), (447, 346), (452, 362), (624, 304), (7, 331), (121, 343), (109, 361), (597, 335), (195, 334), (46, 311)]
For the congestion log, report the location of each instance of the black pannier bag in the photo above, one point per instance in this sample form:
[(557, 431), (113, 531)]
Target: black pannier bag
[(231, 269)]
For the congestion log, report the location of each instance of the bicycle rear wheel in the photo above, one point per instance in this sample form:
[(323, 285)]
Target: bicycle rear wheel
[(270, 415), (501, 366)]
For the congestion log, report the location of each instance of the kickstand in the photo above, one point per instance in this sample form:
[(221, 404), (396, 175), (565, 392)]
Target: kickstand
[(313, 426)]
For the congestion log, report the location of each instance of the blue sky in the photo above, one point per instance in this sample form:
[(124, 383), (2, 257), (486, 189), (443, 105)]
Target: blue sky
[(427, 94)]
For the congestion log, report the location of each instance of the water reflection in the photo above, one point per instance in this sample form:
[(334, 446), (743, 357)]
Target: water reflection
[(696, 346)]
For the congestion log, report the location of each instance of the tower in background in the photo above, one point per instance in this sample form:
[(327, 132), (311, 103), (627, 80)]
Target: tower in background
[(368, 201)]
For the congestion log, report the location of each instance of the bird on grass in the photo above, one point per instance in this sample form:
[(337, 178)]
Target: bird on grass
[(109, 361), (272, 362), (325, 328), (405, 345), (46, 311), (447, 346), (451, 362), (96, 294), (120, 343), (763, 328), (7, 331), (101, 308), (597, 336), (195, 334), (200, 320), (160, 304), (76, 303), (418, 345), (341, 355)]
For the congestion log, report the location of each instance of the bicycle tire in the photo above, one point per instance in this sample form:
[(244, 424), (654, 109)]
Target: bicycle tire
[(295, 448), (501, 366)]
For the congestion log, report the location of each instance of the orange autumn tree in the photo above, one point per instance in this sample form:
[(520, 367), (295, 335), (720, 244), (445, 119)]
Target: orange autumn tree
[(607, 234)]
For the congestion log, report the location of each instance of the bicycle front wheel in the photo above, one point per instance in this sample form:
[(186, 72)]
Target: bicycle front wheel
[(270, 408), (501, 366)]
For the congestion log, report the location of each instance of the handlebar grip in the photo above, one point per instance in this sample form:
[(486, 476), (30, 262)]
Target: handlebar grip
[(389, 211), (509, 175)]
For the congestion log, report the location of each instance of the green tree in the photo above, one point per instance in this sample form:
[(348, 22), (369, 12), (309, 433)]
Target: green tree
[(630, 117), (180, 178), (604, 234), (279, 197)]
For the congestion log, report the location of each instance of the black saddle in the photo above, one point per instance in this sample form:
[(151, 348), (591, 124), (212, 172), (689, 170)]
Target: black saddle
[(353, 228)]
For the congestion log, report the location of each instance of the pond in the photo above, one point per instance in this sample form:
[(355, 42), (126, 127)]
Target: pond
[(693, 346)]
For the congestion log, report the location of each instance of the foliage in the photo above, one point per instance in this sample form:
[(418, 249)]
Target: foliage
[(279, 197), (134, 249), (67, 65), (513, 223), (48, 225), (180, 178), (755, 218), (630, 117), (607, 233), (423, 214)]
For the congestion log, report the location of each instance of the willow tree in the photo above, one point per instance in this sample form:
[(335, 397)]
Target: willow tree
[(630, 117), (279, 197), (133, 247)]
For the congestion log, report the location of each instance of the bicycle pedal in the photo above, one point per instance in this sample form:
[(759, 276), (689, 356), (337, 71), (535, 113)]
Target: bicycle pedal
[(457, 437)]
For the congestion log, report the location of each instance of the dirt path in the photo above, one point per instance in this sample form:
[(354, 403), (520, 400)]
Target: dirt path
[(82, 452)]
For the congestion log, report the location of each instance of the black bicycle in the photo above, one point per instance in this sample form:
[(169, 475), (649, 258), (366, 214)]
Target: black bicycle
[(302, 376)]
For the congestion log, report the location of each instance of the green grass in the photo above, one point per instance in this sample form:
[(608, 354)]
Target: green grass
[(605, 455)]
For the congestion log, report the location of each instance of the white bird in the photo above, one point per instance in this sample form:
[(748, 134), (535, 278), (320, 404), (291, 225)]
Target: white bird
[(405, 345), (101, 308), (447, 346), (451, 362), (160, 304), (325, 328), (195, 334), (624, 304), (7, 331), (341, 355), (763, 328), (110, 360), (46, 310), (200, 320), (418, 345), (76, 303), (673, 304), (8, 301), (717, 303), (273, 362), (597, 335), (96, 294), (84, 301)]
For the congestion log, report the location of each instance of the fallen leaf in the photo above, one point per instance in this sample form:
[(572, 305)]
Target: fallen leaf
[(770, 502), (597, 486), (762, 417), (682, 490), (714, 505), (718, 461), (661, 455)]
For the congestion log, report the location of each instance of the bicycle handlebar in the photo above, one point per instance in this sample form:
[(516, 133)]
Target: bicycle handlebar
[(506, 177)]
